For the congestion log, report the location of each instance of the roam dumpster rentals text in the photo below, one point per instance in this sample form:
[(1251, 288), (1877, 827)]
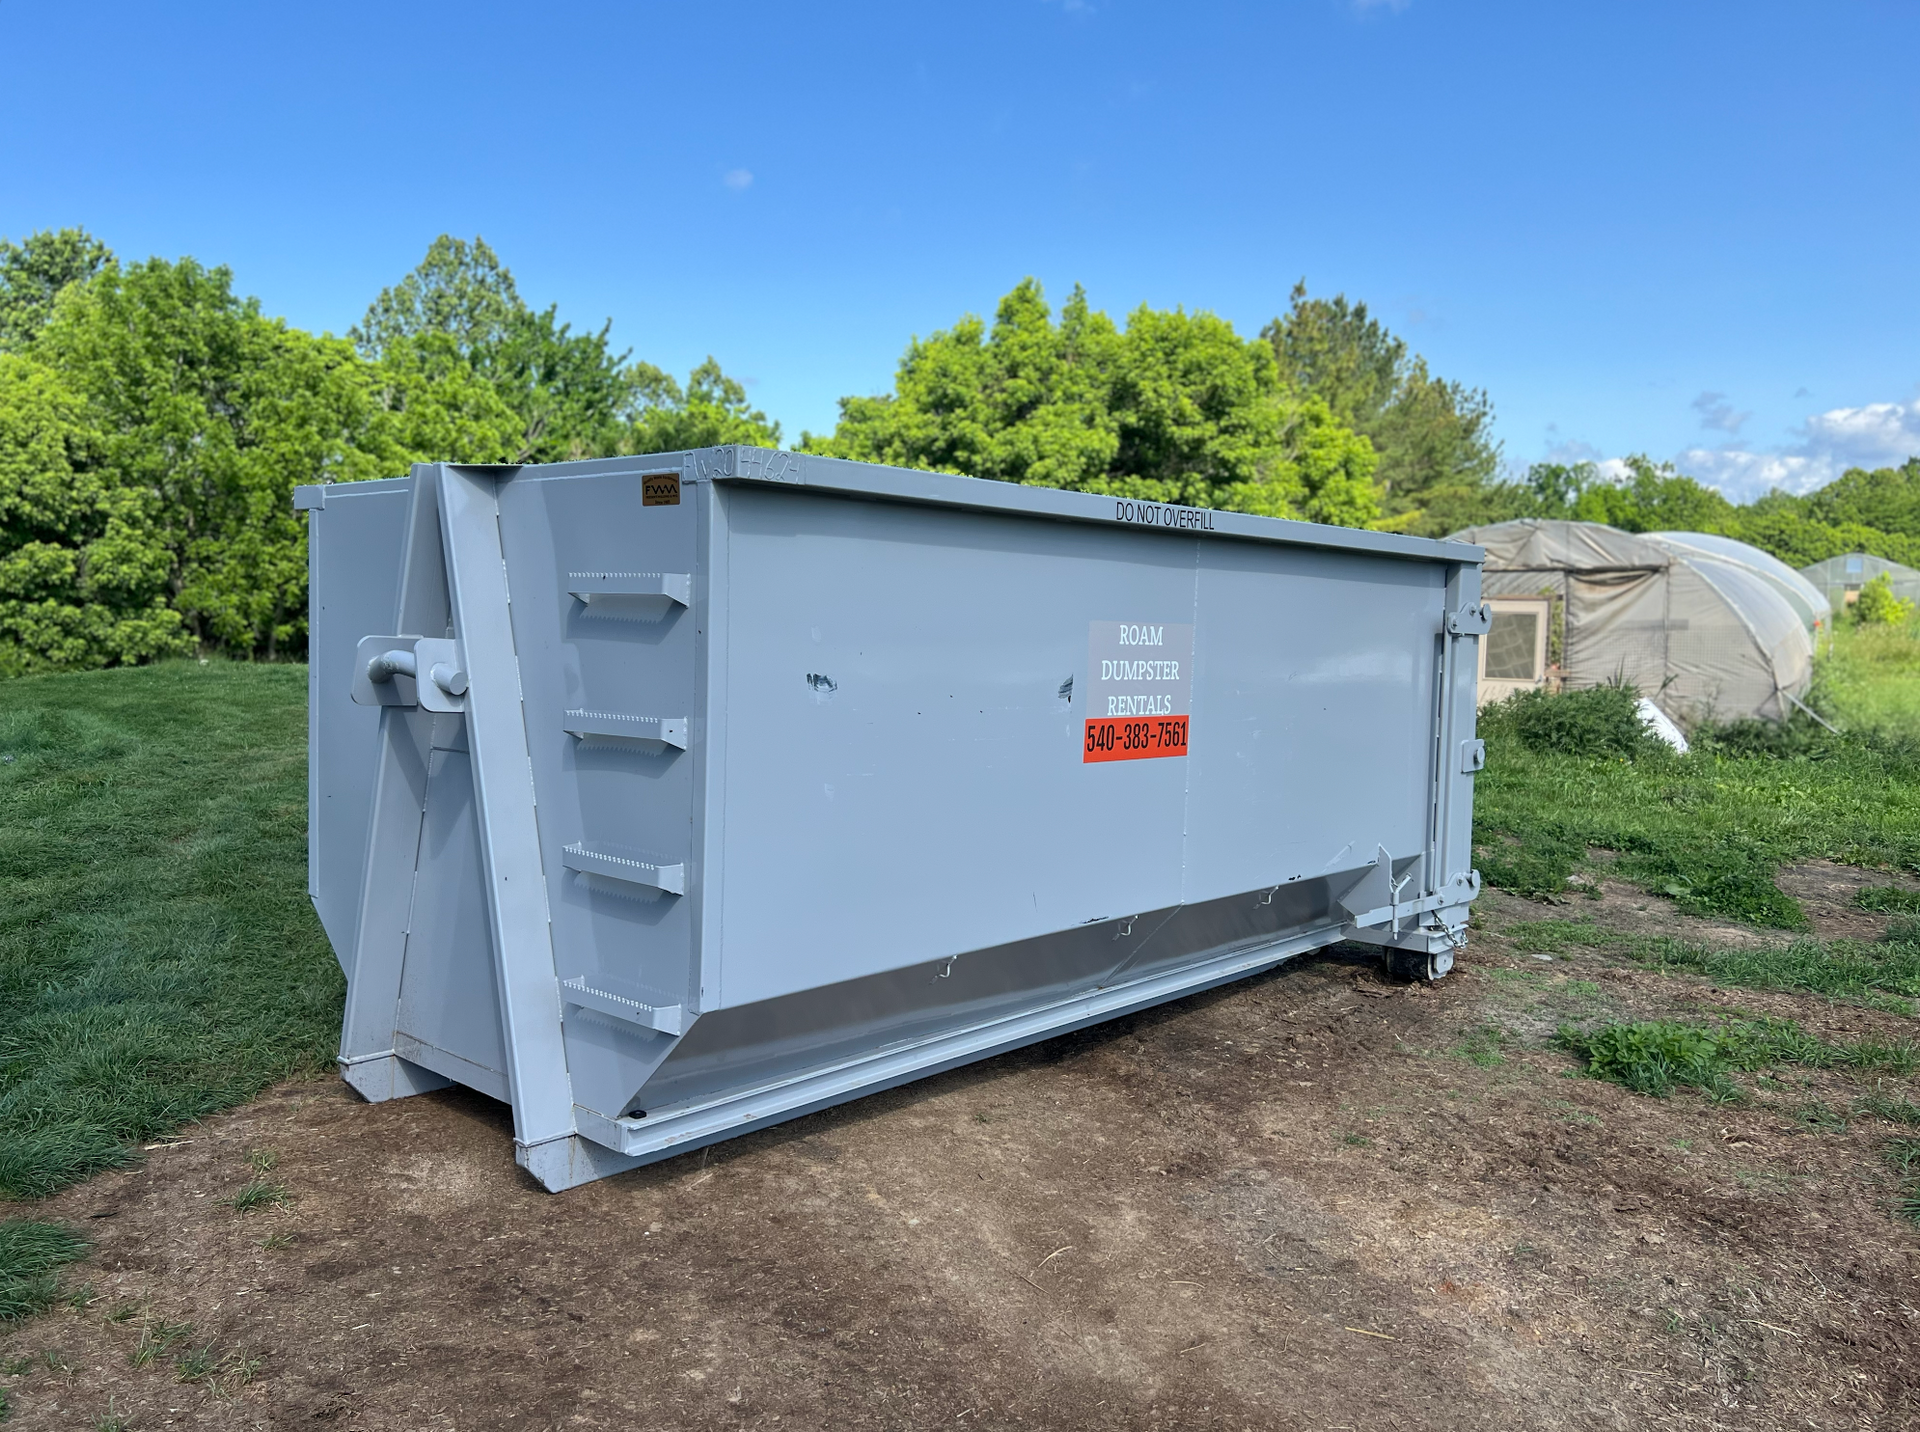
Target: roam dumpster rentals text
[(1139, 690)]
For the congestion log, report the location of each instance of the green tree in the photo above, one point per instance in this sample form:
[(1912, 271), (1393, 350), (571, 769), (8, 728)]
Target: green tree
[(460, 308), (1886, 499), (82, 584), (573, 395), (1175, 407), (33, 273), (1654, 498), (460, 291), (152, 434), (204, 414), (1434, 437), (710, 411), (1800, 541)]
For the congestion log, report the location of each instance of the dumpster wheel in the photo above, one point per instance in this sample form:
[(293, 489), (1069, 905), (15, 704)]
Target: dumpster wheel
[(1417, 965)]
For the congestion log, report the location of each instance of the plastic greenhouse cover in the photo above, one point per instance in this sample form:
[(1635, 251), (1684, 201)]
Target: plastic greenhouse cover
[(1776, 626), (1801, 594), (1833, 577)]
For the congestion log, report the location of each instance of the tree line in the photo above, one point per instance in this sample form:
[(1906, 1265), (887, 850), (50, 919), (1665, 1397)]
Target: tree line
[(154, 422), (153, 425)]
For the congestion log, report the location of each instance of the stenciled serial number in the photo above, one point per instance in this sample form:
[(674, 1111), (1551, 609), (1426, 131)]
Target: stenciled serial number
[(1112, 740)]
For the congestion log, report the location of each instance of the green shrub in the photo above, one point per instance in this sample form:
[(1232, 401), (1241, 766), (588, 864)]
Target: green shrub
[(1597, 721), (1878, 606)]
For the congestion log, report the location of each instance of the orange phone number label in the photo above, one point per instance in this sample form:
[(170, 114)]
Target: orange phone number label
[(1113, 738)]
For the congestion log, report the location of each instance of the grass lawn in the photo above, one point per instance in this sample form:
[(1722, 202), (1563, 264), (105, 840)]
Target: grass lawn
[(159, 958), (1710, 828), (1870, 677)]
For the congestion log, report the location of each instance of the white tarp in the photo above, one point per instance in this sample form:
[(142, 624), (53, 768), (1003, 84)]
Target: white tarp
[(1660, 725)]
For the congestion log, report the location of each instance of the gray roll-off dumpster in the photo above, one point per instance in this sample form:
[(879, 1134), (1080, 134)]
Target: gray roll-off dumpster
[(669, 797)]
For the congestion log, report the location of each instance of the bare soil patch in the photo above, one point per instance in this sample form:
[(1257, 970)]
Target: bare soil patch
[(1824, 890), (1310, 1200)]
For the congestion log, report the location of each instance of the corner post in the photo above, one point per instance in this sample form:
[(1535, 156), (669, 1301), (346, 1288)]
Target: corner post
[(511, 863)]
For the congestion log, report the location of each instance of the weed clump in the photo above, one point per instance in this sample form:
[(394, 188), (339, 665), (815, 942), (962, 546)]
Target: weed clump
[(1895, 1108), (158, 1337), (31, 1253), (1885, 972), (1752, 738), (1655, 1056), (1903, 1157), (257, 1193), (1889, 900)]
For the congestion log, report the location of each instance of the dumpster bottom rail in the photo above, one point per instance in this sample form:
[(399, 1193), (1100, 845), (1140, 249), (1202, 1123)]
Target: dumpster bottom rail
[(606, 1146)]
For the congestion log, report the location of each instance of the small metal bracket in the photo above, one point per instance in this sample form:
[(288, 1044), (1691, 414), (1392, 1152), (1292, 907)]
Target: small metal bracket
[(607, 726), (608, 589), (428, 672), (1473, 756), (1470, 621), (670, 878), (1372, 892), (310, 497), (596, 992)]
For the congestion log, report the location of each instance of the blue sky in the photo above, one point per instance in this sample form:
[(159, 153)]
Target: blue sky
[(1683, 229)]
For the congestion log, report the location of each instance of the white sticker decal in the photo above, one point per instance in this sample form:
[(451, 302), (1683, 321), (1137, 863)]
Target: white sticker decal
[(1139, 690)]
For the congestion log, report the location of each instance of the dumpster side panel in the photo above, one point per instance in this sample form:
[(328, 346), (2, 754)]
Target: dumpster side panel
[(449, 1005), (905, 777), (353, 568), (1317, 674)]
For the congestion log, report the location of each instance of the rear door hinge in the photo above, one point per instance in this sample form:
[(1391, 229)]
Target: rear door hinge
[(1470, 621)]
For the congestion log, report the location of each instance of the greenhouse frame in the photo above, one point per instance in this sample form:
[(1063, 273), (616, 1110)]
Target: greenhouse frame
[(1706, 636), (1840, 578)]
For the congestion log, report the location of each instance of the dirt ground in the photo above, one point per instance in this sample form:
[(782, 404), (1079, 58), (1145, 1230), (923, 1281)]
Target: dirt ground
[(1309, 1200)]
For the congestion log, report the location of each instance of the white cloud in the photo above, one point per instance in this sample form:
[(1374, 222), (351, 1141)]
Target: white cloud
[(1717, 414), (1571, 452), (1874, 435), (737, 178)]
